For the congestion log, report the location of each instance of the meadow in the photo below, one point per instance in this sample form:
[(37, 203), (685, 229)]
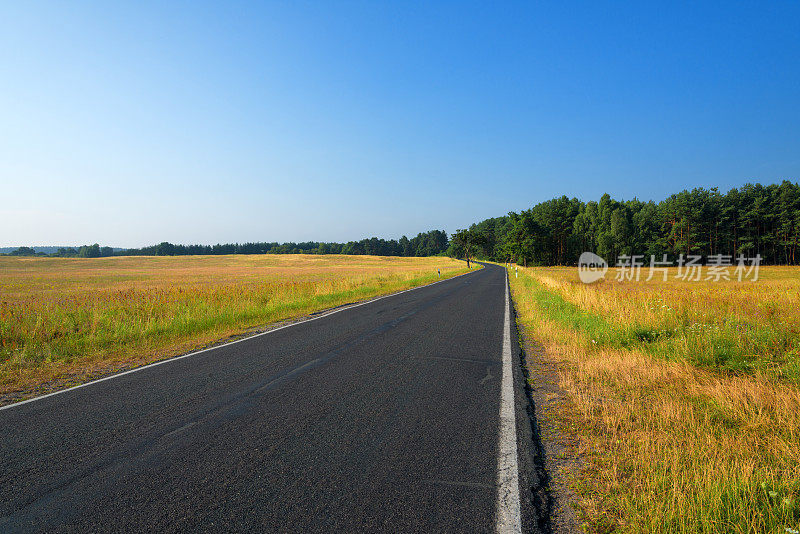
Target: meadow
[(683, 398), (64, 321)]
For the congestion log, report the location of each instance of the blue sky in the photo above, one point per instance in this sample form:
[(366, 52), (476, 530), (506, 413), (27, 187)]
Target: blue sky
[(133, 123)]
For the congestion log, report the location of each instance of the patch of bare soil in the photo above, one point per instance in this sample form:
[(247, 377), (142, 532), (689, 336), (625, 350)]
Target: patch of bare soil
[(560, 448)]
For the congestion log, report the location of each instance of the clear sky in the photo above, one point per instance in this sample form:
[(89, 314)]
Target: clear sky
[(130, 123)]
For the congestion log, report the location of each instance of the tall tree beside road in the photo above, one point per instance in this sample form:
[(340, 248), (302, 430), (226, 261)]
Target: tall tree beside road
[(466, 241)]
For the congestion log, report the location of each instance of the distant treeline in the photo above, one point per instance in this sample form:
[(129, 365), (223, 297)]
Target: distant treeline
[(425, 244), (753, 219), (85, 251)]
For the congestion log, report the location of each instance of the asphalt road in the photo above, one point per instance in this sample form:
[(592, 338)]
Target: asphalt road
[(380, 417)]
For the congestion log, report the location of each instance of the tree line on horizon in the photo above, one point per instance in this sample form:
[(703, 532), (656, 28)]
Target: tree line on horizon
[(749, 221), (85, 251), (431, 243)]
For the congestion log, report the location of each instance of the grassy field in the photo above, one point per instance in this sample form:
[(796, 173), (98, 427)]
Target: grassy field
[(66, 320), (683, 397)]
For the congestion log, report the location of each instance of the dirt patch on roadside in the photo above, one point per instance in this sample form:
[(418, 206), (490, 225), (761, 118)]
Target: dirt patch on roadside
[(560, 446)]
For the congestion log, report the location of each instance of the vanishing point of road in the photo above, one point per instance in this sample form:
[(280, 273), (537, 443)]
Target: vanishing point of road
[(403, 414)]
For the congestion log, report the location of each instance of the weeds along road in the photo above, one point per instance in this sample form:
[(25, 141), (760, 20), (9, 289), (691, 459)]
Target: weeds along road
[(381, 417)]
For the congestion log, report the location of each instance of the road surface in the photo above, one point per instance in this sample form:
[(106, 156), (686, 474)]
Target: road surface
[(383, 417)]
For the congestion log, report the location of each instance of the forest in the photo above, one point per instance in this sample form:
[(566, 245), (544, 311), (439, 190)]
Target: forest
[(430, 243), (750, 220)]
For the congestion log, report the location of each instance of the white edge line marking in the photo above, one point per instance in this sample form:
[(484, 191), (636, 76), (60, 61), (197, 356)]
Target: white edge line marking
[(176, 358), (508, 505)]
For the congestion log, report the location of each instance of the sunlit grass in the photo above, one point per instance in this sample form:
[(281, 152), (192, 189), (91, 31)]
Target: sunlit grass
[(742, 327), (684, 396), (70, 318)]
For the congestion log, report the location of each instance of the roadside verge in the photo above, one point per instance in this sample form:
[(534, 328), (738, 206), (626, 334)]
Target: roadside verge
[(555, 455)]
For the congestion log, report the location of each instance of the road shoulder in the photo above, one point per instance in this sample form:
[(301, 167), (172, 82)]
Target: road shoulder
[(558, 448)]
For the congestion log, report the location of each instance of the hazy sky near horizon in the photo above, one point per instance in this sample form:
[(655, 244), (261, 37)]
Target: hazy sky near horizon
[(133, 123)]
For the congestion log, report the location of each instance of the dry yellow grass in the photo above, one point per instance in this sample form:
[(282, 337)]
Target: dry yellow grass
[(672, 439), (736, 326), (65, 320)]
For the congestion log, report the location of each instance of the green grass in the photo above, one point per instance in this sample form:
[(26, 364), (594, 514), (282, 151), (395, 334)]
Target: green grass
[(733, 346), (682, 399)]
